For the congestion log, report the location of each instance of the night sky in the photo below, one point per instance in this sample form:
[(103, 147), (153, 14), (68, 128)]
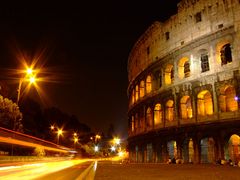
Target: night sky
[(85, 46)]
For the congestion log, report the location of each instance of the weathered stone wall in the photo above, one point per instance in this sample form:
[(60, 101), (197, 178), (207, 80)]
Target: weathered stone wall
[(183, 30)]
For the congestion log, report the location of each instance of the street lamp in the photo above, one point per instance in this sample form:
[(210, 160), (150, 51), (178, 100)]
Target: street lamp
[(52, 127), (116, 141), (96, 148), (97, 138), (29, 76), (59, 132), (75, 141)]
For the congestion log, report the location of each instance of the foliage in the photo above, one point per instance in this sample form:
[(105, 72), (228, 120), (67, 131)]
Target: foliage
[(89, 148), (38, 151), (9, 112), (37, 122)]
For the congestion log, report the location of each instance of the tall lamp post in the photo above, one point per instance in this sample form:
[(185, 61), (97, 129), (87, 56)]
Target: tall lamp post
[(30, 77), (59, 133)]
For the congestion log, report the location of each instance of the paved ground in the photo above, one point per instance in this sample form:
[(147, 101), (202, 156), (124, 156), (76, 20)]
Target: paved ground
[(117, 171)]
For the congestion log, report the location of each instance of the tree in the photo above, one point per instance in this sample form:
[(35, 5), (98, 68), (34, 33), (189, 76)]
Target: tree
[(10, 113)]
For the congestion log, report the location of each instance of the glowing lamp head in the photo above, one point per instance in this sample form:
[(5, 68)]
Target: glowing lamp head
[(236, 98), (113, 148), (60, 132), (116, 141), (96, 148), (120, 154), (32, 79), (75, 139), (52, 127), (29, 71)]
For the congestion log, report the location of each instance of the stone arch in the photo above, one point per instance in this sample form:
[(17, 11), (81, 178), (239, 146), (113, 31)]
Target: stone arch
[(172, 149), (142, 88), (132, 124), (157, 115), (227, 99), (183, 68), (149, 118), (148, 84), (204, 103), (207, 150), (223, 52), (133, 96), (232, 149), (136, 92), (169, 74), (186, 107), (169, 115)]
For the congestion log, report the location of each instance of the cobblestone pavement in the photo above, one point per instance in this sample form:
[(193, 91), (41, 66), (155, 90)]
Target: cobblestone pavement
[(115, 171)]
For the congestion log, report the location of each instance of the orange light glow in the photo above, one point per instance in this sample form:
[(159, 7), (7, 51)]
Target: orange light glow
[(29, 144), (29, 71), (32, 79), (37, 170)]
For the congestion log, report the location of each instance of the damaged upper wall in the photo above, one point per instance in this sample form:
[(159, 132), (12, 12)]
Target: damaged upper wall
[(195, 19)]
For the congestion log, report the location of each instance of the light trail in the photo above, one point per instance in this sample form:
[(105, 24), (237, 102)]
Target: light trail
[(37, 170)]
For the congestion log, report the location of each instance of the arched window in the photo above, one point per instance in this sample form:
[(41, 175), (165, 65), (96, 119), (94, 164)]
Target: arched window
[(172, 149), (149, 118), (227, 99), (169, 74), (136, 92), (157, 115), (142, 89), (149, 84), (183, 68), (133, 97), (232, 151), (186, 107), (132, 124), (226, 54), (169, 110), (207, 150), (204, 103)]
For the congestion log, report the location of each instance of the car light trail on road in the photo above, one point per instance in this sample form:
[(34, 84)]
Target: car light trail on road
[(32, 171)]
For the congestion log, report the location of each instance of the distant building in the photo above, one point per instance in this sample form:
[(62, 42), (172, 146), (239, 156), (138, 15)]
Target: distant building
[(184, 86)]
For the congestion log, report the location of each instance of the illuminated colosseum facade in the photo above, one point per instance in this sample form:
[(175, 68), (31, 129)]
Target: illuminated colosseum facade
[(184, 86)]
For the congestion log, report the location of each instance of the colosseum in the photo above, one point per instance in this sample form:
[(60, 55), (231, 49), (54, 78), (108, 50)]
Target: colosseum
[(184, 86)]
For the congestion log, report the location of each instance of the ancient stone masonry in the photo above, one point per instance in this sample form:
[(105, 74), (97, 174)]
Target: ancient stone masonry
[(184, 86)]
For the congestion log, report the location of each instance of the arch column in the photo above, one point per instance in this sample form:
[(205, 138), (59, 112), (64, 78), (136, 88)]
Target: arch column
[(165, 156), (220, 148), (197, 151), (179, 149), (175, 91), (215, 100)]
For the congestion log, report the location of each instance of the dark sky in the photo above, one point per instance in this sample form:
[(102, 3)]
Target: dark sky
[(87, 46)]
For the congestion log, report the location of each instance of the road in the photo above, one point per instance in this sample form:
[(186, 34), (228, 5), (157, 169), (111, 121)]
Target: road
[(115, 170), (68, 169)]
